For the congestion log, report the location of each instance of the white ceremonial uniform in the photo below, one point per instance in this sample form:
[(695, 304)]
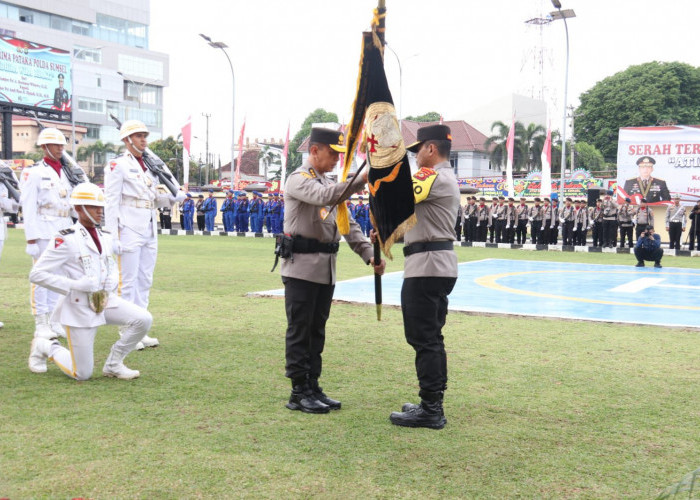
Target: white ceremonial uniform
[(132, 197), (71, 256), (6, 205), (46, 210)]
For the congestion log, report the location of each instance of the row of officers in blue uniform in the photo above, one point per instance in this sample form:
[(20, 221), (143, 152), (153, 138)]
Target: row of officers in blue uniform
[(241, 214)]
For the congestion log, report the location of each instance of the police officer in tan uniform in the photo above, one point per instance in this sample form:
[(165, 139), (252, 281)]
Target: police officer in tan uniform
[(675, 222), (430, 274), (643, 217), (308, 271)]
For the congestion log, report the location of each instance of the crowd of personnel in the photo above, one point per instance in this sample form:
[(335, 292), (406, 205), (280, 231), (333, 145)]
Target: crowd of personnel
[(549, 223)]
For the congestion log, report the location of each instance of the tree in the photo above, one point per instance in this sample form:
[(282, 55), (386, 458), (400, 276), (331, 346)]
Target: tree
[(643, 95), (318, 116), (527, 147), (533, 138), (271, 157), (170, 151), (588, 157), (431, 116), (96, 154)]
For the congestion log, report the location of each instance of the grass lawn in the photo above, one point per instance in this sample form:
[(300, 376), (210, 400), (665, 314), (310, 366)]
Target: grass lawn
[(536, 407)]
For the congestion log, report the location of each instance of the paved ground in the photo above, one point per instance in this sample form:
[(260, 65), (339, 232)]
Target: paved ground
[(624, 294)]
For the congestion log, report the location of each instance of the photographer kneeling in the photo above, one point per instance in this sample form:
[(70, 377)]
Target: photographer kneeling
[(648, 247)]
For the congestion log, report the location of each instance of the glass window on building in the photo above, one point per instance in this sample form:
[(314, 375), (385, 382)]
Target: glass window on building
[(93, 131), (80, 27), (87, 54), (91, 105), (140, 67), (454, 161)]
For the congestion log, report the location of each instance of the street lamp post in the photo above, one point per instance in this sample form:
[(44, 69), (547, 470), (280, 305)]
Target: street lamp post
[(223, 47), (72, 94), (400, 110), (563, 15)]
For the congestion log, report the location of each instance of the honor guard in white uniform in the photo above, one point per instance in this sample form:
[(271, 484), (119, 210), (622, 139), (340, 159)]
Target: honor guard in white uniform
[(78, 264), (46, 210), (9, 205), (675, 222), (132, 197)]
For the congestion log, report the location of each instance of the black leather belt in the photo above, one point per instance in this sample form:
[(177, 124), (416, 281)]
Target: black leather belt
[(427, 246), (312, 245)]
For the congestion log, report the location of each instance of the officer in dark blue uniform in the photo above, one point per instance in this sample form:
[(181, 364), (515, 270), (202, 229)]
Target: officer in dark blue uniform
[(188, 213), (275, 213), (242, 212), (256, 213), (266, 213), (209, 207), (227, 211), (362, 215)]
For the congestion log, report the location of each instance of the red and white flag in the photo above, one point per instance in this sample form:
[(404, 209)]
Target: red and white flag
[(237, 178), (546, 184), (510, 145), (186, 141)]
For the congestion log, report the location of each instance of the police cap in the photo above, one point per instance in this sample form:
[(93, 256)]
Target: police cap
[(646, 159), (332, 138), (430, 133)]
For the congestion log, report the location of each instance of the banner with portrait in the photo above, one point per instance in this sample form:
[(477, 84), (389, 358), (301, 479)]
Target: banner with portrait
[(656, 163)]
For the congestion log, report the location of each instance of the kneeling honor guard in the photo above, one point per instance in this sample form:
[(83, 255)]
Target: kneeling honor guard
[(78, 264)]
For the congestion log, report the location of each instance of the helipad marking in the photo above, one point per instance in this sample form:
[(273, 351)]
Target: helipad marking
[(636, 286), (490, 281)]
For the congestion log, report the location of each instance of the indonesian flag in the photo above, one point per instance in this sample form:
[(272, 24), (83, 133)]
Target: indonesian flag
[(510, 144), (546, 184), (285, 152), (186, 141), (237, 178)]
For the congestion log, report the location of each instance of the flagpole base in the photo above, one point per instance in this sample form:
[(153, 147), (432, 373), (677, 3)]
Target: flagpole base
[(379, 312)]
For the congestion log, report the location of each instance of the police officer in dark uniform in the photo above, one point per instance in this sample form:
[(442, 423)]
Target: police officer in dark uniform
[(60, 95), (200, 212), (645, 185), (694, 234), (308, 264), (430, 274)]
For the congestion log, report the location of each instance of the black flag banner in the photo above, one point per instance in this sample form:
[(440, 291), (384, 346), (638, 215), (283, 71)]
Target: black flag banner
[(389, 179)]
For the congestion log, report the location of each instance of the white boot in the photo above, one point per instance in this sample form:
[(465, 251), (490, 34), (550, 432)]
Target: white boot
[(114, 367), (41, 348), (43, 329), (149, 341), (57, 328)]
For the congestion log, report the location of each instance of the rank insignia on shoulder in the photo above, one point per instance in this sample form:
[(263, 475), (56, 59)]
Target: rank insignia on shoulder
[(307, 175), (112, 164), (64, 232), (312, 173), (58, 242), (422, 182)]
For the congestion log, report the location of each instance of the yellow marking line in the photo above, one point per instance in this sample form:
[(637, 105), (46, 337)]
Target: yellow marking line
[(490, 281)]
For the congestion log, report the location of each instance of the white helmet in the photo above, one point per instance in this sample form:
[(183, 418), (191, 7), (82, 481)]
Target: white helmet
[(87, 193), (51, 136), (131, 127)]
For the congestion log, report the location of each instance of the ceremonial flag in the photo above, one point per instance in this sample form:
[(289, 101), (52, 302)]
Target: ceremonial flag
[(285, 152), (389, 179), (237, 179), (510, 146), (546, 185), (186, 140)]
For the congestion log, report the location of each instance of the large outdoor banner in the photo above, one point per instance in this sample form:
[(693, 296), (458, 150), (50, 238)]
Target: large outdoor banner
[(656, 163), (34, 75), (576, 186)]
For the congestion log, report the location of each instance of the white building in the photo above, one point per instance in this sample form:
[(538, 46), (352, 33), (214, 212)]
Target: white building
[(113, 70)]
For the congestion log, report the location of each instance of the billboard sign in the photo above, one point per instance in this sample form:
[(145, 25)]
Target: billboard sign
[(34, 75), (575, 186), (656, 163)]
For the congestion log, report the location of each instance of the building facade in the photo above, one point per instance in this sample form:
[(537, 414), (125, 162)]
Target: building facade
[(113, 72)]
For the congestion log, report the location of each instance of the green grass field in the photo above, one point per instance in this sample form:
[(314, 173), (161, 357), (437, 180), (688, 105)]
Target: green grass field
[(536, 408)]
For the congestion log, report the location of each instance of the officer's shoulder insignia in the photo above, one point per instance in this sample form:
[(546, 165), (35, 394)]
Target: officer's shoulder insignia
[(65, 232), (307, 175), (58, 241), (310, 174), (422, 182), (112, 164)]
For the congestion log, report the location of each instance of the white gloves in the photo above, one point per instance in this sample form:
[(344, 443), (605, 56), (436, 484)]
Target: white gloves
[(111, 284), (86, 284), (180, 197), (117, 247), (32, 250), (9, 205)]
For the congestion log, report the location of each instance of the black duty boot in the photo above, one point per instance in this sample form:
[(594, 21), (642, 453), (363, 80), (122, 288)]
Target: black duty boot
[(429, 413), (321, 396), (303, 399)]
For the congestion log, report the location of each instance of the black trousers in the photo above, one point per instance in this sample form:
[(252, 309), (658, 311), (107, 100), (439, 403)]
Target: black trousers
[(692, 238), (458, 229), (545, 231), (554, 234), (643, 255), (492, 230), (470, 229), (580, 235), (167, 222), (626, 233), (535, 227), (200, 222), (481, 232), (521, 231), (500, 230), (424, 307), (675, 230), (308, 306), (640, 228), (567, 233), (609, 233)]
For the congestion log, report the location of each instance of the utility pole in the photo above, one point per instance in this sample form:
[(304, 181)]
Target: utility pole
[(206, 171), (573, 149)]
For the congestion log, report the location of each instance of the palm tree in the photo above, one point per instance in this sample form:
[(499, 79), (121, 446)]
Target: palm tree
[(497, 144), (533, 142), (96, 153), (270, 156)]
